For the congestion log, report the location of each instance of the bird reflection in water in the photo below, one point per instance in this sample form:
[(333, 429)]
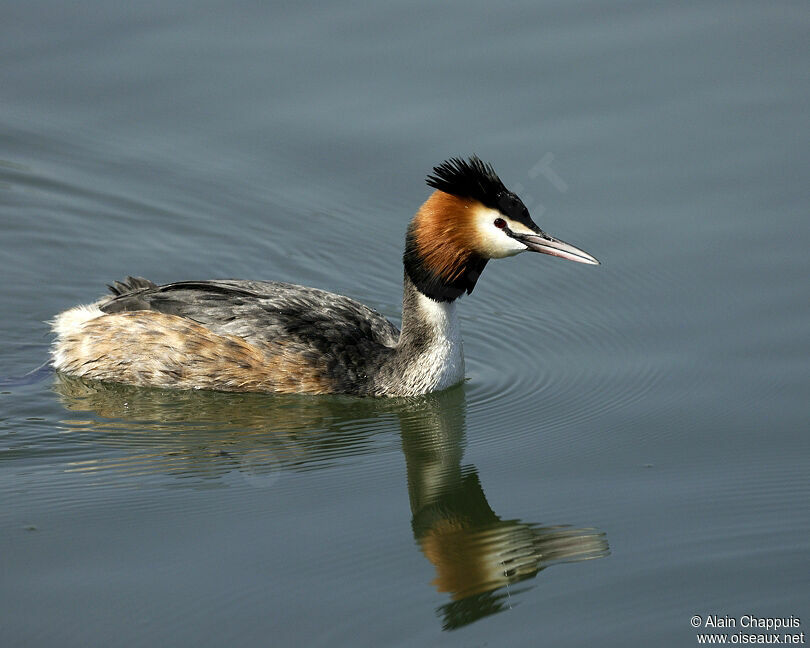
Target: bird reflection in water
[(477, 556)]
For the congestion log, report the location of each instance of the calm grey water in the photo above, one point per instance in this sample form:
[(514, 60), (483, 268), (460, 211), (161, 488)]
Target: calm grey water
[(631, 445)]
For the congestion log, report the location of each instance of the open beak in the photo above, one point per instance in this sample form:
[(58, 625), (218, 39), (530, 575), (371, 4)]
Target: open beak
[(555, 247)]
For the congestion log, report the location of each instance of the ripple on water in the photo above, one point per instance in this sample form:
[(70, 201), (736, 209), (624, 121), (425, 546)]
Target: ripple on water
[(561, 369)]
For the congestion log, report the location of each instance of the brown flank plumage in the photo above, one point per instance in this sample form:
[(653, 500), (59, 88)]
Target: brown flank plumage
[(152, 348)]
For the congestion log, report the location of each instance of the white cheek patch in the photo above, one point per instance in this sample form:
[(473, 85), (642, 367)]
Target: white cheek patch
[(493, 242)]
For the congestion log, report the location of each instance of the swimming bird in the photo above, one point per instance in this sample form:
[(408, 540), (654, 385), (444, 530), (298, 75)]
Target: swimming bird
[(267, 336)]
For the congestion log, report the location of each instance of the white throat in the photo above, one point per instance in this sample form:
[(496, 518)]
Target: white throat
[(440, 363)]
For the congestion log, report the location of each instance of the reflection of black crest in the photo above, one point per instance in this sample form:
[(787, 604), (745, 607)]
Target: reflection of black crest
[(458, 614), (477, 180)]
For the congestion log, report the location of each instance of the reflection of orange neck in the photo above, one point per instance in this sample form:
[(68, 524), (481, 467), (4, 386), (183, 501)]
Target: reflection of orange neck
[(464, 564), (459, 533)]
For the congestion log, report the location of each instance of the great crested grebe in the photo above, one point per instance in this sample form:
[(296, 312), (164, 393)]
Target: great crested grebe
[(266, 336)]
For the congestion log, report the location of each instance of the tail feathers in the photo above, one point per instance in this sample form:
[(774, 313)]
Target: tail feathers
[(130, 285)]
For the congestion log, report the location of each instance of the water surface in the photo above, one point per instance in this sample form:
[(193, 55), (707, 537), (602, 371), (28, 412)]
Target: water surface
[(630, 447)]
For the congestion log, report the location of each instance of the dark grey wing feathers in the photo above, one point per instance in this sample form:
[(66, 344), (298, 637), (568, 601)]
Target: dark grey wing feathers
[(262, 311)]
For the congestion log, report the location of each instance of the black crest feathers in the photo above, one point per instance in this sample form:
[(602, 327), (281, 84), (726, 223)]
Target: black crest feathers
[(468, 179)]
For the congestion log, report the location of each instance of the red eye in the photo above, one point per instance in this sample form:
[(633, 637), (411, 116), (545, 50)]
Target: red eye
[(500, 223)]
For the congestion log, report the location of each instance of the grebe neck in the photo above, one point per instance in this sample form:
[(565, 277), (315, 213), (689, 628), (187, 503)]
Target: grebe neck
[(445, 277), (429, 355)]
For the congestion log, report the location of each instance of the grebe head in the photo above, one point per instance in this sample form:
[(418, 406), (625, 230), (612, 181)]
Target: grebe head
[(471, 218)]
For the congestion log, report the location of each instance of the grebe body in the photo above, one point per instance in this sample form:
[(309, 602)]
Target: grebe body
[(265, 336)]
